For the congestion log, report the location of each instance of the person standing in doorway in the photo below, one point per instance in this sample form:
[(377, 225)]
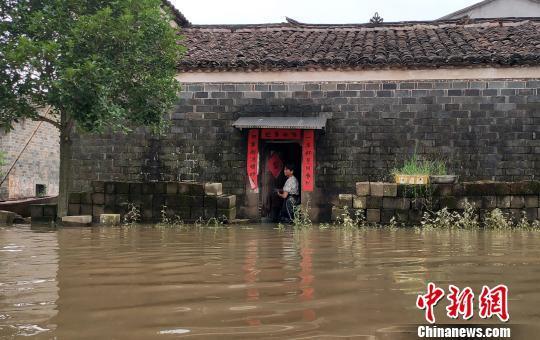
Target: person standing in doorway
[(290, 194)]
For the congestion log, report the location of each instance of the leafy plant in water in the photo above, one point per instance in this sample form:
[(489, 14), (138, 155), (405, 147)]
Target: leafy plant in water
[(301, 219), (133, 216), (496, 219), (170, 221), (446, 219)]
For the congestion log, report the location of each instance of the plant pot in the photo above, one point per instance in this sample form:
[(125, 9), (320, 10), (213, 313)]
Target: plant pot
[(443, 179), (412, 179)]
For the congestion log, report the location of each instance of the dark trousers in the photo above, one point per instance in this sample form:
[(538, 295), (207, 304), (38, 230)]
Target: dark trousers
[(287, 209)]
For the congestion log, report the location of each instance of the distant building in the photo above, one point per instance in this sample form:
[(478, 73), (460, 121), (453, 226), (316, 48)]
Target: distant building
[(498, 9), (32, 158), (343, 103)]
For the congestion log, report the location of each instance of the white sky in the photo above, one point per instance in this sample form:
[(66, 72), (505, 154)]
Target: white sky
[(315, 11)]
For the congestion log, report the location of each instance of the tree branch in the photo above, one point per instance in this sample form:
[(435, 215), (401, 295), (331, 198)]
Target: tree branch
[(50, 121)]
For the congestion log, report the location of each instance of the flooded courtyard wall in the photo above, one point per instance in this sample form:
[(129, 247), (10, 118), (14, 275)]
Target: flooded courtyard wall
[(34, 148), (485, 130)]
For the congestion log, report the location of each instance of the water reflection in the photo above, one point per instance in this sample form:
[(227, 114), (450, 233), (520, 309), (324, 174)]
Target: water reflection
[(248, 283)]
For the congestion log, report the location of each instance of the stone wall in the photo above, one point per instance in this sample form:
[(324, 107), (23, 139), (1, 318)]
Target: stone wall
[(484, 129), (380, 202), (38, 164), (189, 201)]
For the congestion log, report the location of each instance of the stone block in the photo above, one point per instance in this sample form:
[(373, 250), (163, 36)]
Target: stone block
[(415, 216), (531, 201), (390, 189), (147, 214), (226, 201), (147, 201), (373, 202), (359, 202), (345, 200), (171, 201), (449, 202), (386, 215), (49, 210), (86, 198), (525, 188), (196, 189), (98, 186), (75, 198), (210, 202), (122, 188), (110, 200), (209, 212), (147, 188), (442, 190), (98, 198), (121, 199), (109, 219), (337, 213), (517, 202), (86, 209), (97, 210), (6, 217), (158, 202), (489, 202), (531, 213), (135, 189), (479, 188), (227, 214), (501, 188), (373, 215), (196, 212), (183, 213), (183, 188), (184, 201), (160, 188), (77, 221), (362, 189), (503, 202), (213, 189), (196, 201), (171, 188), (74, 209), (402, 203), (110, 188), (376, 189)]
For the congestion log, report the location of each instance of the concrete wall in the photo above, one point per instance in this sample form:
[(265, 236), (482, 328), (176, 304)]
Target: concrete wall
[(502, 8), (38, 164), (485, 129)]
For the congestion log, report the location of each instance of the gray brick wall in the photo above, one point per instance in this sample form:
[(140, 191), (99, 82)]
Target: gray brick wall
[(38, 164), (484, 129)]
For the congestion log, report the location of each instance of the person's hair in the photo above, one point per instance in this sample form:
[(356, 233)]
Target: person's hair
[(290, 166)]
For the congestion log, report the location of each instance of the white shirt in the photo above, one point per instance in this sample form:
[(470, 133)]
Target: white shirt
[(291, 186)]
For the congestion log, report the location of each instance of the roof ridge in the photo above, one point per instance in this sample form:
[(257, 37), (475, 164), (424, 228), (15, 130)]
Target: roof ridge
[(295, 25)]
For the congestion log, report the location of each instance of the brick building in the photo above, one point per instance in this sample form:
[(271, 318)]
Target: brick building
[(346, 103), (32, 158)]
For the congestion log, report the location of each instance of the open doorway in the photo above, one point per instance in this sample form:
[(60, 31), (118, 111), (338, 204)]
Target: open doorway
[(275, 155)]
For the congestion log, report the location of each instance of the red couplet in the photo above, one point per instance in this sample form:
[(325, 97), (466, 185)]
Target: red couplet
[(281, 134), (308, 160), (253, 158)]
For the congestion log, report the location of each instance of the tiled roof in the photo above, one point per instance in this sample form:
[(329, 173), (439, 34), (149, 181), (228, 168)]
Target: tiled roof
[(293, 45)]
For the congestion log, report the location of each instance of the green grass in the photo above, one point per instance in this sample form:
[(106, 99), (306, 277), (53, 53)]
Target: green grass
[(417, 166)]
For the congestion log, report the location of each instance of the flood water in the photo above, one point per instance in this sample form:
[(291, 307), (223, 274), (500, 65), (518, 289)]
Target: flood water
[(246, 283)]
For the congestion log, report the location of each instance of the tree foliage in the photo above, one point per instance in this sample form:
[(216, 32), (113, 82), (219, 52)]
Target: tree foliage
[(98, 64)]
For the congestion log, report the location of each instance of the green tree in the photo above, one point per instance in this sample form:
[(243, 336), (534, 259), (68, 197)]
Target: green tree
[(99, 66)]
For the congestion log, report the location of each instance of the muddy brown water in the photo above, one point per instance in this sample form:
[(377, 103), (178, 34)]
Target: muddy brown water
[(251, 282)]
